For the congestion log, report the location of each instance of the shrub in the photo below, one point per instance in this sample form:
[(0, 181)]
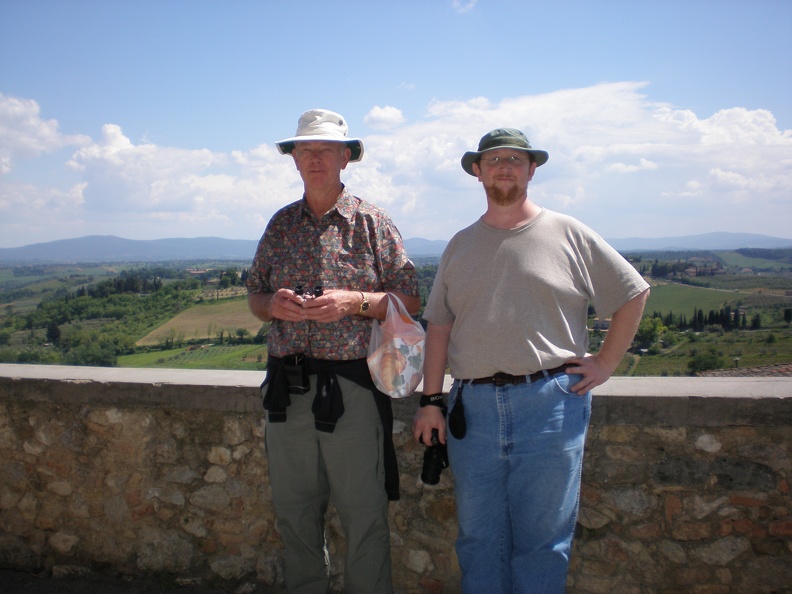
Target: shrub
[(706, 362)]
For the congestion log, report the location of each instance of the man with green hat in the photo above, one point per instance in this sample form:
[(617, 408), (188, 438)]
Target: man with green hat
[(507, 313)]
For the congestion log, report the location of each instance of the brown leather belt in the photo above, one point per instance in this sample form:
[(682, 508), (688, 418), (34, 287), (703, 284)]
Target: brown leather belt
[(505, 379)]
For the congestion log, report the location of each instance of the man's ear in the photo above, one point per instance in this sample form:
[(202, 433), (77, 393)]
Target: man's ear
[(476, 169), (347, 157), (532, 170)]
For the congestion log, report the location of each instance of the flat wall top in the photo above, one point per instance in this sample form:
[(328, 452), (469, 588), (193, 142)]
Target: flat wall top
[(229, 391), (666, 401), (699, 387), (187, 377), (721, 387)]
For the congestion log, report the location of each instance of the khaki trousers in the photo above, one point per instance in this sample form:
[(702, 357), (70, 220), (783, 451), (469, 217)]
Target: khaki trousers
[(307, 468)]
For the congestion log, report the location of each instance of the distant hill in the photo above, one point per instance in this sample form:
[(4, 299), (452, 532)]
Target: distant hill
[(705, 241), (108, 248), (424, 247)]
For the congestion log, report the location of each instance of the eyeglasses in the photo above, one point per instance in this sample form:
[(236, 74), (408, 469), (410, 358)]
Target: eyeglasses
[(511, 161)]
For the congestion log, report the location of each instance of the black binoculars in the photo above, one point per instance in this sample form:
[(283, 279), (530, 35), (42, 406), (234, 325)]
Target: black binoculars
[(309, 292)]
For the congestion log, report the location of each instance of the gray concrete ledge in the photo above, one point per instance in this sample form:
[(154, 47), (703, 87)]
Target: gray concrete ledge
[(708, 401), (231, 391)]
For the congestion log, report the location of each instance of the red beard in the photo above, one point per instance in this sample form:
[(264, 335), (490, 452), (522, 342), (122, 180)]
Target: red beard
[(503, 197)]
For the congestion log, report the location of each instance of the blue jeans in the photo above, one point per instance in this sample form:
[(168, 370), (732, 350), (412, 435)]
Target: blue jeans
[(517, 483)]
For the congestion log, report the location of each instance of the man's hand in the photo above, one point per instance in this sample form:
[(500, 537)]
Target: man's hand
[(595, 372), (427, 418), (333, 305), (286, 305)]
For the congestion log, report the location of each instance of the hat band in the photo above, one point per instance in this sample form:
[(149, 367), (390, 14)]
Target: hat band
[(505, 143), (331, 131)]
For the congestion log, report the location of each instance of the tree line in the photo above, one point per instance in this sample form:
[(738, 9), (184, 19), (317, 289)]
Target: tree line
[(725, 318), (96, 322)]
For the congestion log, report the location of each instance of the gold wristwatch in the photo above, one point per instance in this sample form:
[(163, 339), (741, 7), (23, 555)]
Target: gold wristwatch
[(364, 307)]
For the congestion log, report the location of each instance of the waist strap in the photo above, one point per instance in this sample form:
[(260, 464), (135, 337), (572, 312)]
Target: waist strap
[(505, 379)]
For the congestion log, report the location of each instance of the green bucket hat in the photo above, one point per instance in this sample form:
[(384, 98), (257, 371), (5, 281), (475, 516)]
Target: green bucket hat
[(501, 138)]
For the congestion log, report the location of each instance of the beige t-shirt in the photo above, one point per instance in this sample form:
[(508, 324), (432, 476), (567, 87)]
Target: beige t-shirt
[(518, 299)]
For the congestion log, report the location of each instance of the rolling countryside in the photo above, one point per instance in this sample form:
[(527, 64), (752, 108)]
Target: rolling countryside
[(707, 311)]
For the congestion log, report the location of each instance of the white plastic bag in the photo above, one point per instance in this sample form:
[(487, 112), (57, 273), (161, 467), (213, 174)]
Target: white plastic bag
[(396, 351)]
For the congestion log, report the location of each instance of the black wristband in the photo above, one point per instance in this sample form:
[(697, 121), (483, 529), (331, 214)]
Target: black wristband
[(433, 400)]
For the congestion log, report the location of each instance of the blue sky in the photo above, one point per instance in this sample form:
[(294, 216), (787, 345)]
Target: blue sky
[(147, 119)]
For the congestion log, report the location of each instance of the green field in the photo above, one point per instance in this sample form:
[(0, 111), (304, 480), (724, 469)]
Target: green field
[(204, 321), (244, 357), (741, 349), (24, 290), (738, 260), (684, 299)]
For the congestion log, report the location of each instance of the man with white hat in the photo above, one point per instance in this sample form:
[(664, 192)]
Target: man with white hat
[(321, 274), (508, 312)]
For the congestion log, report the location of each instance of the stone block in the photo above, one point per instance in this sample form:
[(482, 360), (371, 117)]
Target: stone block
[(16, 553), (164, 551), (722, 551), (212, 498)]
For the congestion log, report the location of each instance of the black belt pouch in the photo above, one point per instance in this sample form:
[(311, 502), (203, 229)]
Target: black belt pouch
[(456, 417), (296, 367)]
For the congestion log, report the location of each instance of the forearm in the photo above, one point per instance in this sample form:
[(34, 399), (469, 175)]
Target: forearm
[(431, 417), (260, 305), (436, 359), (596, 369), (624, 324)]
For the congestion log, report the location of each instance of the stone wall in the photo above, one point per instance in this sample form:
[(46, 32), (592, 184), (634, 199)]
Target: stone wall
[(686, 484)]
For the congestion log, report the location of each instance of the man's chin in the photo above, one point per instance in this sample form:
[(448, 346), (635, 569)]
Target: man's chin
[(503, 197)]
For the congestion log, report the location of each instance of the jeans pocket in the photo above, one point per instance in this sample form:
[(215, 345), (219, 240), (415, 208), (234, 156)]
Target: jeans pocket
[(564, 381)]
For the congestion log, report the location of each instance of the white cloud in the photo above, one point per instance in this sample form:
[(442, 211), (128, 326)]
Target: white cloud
[(38, 201), (383, 118), (741, 126), (463, 7), (693, 189), (619, 161), (32, 214), (642, 165), (594, 136), (23, 134), (122, 176)]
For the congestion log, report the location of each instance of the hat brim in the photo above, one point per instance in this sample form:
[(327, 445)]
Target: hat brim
[(355, 145), (471, 157)]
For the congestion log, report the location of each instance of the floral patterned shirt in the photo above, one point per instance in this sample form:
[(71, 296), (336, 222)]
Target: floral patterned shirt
[(354, 246)]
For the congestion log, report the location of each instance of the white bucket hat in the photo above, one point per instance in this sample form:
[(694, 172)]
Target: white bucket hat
[(325, 126)]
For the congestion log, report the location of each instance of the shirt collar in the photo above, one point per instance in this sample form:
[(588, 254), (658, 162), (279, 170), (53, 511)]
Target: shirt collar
[(345, 205)]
